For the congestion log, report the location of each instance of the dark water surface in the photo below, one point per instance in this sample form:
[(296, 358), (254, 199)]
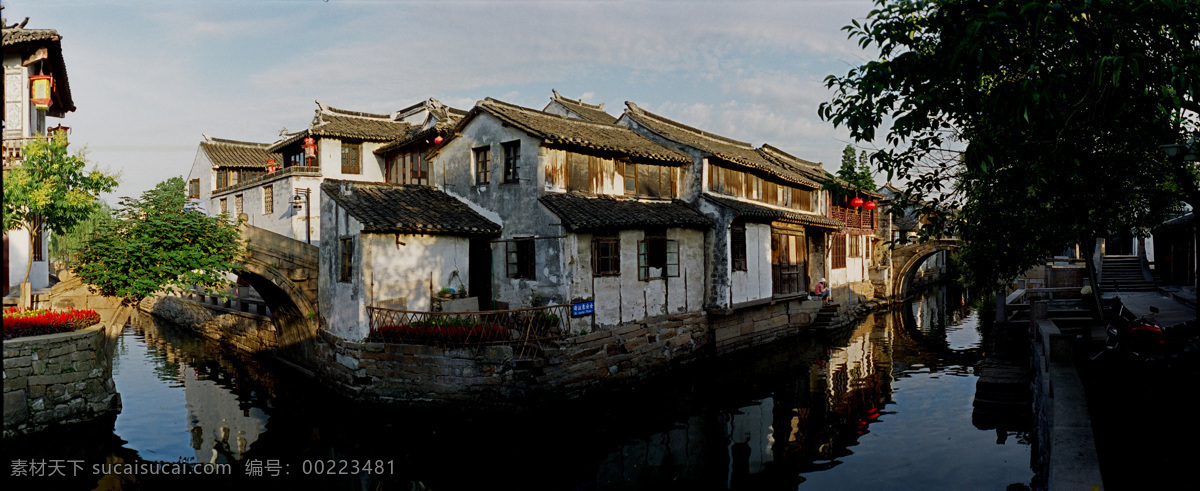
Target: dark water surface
[(886, 404)]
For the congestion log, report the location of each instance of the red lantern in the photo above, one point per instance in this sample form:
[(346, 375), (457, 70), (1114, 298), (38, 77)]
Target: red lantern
[(870, 205), (39, 88), (856, 202), (437, 141), (310, 147), (271, 166)]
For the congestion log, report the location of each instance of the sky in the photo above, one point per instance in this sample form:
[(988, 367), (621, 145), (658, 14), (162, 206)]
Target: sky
[(149, 78)]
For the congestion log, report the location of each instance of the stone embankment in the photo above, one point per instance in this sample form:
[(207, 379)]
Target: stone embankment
[(57, 379), (246, 331)]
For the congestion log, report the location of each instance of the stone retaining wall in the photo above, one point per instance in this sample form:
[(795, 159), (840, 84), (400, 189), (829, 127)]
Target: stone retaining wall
[(755, 326), (243, 330), (57, 379), (391, 372)]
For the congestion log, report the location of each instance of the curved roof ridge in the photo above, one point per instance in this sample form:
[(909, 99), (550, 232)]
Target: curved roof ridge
[(325, 108), (638, 111), (227, 141)]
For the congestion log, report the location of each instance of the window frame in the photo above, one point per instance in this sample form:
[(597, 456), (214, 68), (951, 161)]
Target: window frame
[(482, 158), (655, 250), (837, 253), (346, 259), (512, 161), (268, 199), (355, 162), (737, 247), (606, 264), (193, 188), (629, 177), (520, 261), (224, 205), (239, 203)]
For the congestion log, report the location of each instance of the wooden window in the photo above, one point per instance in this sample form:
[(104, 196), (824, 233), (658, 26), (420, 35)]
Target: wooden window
[(519, 258), (855, 249), (346, 269), (658, 257), (629, 172), (483, 157), (419, 173), (351, 158), (839, 251), (512, 161), (194, 188), (268, 200), (222, 178), (37, 238), (737, 247), (224, 205), (293, 159), (788, 263), (606, 255)]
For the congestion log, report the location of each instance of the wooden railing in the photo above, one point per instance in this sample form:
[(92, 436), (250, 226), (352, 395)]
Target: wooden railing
[(860, 219), (14, 149), (519, 327)]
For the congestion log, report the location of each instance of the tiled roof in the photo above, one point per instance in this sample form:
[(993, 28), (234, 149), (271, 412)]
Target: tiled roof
[(18, 35), (447, 118), (590, 112), (233, 153), (756, 213), (383, 207), (723, 148), (576, 132), (585, 213), (49, 38), (340, 123)]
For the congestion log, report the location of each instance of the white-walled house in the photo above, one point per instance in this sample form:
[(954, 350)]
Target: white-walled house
[(395, 245), (276, 185), (35, 87), (590, 213), (771, 231)]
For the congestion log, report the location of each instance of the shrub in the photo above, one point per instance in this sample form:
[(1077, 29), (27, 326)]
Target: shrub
[(442, 330), (19, 323)]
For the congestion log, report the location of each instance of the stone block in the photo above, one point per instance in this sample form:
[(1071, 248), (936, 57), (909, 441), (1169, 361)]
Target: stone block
[(16, 408), (17, 361)]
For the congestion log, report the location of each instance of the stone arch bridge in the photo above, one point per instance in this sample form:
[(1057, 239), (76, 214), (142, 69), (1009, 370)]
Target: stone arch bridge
[(284, 271), (906, 261)]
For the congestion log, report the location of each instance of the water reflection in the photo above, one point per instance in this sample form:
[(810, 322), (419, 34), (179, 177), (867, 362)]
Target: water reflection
[(886, 404), (196, 411)]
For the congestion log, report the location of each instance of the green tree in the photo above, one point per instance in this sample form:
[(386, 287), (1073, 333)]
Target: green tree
[(1024, 126), (157, 241), (854, 174), (64, 246), (50, 190)]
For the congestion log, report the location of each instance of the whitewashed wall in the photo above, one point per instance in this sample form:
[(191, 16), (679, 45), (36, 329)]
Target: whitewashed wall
[(625, 298), (394, 271), (343, 304), (755, 282)]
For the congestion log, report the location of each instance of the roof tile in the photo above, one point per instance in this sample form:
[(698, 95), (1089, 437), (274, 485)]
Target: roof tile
[(383, 207), (585, 213)]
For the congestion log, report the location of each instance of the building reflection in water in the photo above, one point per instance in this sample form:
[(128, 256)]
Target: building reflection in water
[(820, 399), (221, 417)]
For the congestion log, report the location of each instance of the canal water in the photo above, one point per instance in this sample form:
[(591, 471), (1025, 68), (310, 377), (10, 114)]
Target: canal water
[(884, 404)]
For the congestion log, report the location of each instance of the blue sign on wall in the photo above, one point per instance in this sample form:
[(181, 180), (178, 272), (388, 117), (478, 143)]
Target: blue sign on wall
[(583, 308)]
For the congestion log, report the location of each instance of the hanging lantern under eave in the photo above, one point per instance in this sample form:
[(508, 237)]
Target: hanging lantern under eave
[(870, 205), (437, 140), (39, 90), (856, 202), (310, 147)]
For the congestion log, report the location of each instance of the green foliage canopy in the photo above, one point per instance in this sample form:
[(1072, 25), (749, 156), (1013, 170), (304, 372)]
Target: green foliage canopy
[(1024, 126), (50, 190), (157, 241)]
